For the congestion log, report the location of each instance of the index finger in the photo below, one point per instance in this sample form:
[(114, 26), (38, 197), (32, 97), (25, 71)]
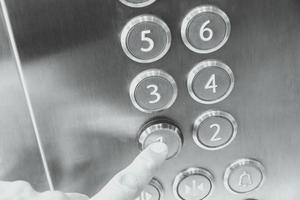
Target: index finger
[(128, 183)]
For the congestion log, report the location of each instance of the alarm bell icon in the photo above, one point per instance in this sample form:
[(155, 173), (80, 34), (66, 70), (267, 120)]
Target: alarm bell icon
[(245, 179)]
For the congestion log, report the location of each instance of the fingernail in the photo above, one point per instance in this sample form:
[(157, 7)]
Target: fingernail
[(129, 181), (159, 147)]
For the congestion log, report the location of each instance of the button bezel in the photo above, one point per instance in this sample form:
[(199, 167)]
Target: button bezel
[(160, 124), (148, 74), (189, 172), (137, 5), (159, 187), (214, 113), (204, 9), (244, 162), (140, 19), (207, 64)]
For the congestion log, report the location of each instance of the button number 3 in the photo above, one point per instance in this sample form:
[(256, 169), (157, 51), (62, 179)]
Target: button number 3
[(154, 93), (147, 39)]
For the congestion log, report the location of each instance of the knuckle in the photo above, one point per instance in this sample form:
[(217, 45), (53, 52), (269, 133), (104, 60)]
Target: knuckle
[(21, 185)]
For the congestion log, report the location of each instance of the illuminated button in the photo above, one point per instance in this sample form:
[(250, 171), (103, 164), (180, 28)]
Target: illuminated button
[(214, 130), (153, 191), (205, 29), (244, 176), (210, 82), (146, 39), (162, 130), (193, 184), (153, 90), (137, 3)]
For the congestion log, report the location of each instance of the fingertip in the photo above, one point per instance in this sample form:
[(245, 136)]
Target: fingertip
[(159, 148)]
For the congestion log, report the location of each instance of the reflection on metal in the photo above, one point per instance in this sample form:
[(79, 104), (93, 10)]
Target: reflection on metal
[(78, 79), (24, 86)]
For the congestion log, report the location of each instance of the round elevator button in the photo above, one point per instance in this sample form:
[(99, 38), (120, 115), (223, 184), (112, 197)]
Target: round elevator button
[(210, 82), (193, 184), (162, 130), (146, 39), (153, 90), (153, 191), (214, 130), (205, 29), (244, 176), (137, 3)]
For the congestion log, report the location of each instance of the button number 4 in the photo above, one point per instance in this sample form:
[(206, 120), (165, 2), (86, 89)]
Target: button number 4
[(211, 84)]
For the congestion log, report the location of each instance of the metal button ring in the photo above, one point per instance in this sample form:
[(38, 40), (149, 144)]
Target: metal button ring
[(162, 130), (193, 184), (205, 29), (139, 4), (220, 129), (146, 39), (223, 74), (153, 90), (244, 176), (153, 191)]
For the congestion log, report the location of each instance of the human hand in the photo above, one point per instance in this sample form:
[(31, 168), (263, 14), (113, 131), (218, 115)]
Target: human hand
[(126, 185)]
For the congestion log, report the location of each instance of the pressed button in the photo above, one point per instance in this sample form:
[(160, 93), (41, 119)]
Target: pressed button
[(214, 130), (210, 82), (244, 176), (193, 184), (205, 29), (137, 3), (153, 90), (153, 191), (162, 130), (146, 39)]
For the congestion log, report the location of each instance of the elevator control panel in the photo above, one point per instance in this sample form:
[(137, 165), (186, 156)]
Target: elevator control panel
[(204, 29)]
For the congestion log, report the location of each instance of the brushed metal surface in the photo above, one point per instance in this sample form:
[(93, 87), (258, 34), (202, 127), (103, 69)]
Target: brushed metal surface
[(79, 77), (19, 154)]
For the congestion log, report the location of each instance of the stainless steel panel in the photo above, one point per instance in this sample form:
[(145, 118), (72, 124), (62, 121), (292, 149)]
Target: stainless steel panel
[(78, 78), (19, 154)]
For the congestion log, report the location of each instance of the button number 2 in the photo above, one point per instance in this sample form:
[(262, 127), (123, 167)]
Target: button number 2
[(150, 42), (215, 137), (154, 93)]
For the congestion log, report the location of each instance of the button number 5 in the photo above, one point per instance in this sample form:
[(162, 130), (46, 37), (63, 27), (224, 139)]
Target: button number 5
[(147, 39)]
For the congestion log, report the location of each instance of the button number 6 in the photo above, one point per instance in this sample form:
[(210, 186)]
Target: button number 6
[(207, 30)]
